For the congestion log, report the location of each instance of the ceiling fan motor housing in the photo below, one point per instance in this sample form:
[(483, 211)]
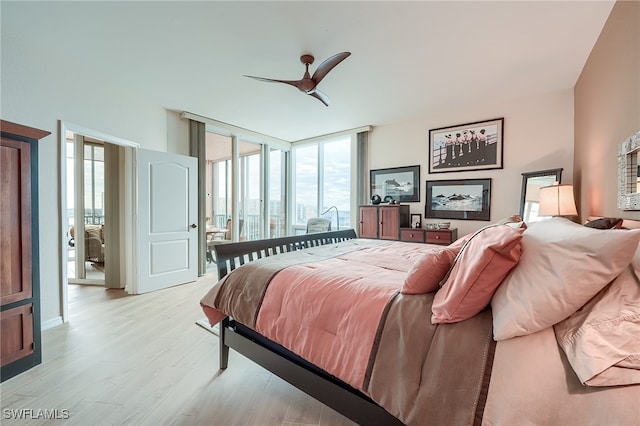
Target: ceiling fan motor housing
[(307, 59)]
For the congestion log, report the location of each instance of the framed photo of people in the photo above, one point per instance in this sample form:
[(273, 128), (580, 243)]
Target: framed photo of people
[(467, 199), (470, 146)]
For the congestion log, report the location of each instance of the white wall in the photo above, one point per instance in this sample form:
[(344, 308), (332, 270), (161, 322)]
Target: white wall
[(538, 135), (39, 89)]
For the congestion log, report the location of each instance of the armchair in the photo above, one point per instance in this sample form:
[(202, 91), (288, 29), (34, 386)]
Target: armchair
[(93, 242), (318, 224)]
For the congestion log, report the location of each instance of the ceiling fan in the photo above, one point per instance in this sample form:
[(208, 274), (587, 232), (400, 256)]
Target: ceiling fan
[(308, 84)]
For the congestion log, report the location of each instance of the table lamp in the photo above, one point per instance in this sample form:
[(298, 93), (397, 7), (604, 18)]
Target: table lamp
[(557, 200)]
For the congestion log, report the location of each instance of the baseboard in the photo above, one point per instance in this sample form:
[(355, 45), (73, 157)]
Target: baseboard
[(53, 322)]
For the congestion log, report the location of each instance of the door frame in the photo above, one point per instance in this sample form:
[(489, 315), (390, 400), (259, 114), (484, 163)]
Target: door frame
[(127, 261), (79, 145)]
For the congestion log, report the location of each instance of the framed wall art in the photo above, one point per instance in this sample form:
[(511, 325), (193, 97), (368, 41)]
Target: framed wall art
[(470, 146), (467, 199), (400, 184)]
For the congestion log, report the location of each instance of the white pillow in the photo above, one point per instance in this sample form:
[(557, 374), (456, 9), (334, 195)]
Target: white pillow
[(562, 266), (602, 339)]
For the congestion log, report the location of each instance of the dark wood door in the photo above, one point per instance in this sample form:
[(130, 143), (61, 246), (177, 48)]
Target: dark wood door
[(15, 221), (389, 223), (368, 222), (19, 269), (16, 333)]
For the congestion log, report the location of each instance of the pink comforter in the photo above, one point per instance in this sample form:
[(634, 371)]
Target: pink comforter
[(326, 306), (328, 312)]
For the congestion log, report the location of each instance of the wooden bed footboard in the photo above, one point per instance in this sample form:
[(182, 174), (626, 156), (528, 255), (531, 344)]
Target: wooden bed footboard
[(308, 378), (230, 256)]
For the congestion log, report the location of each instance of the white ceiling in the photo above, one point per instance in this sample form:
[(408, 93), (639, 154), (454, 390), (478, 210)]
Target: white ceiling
[(408, 58)]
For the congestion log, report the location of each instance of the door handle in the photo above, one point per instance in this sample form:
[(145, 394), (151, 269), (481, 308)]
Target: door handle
[(194, 226)]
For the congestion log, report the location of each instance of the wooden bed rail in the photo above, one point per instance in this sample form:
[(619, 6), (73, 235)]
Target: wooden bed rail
[(230, 256)]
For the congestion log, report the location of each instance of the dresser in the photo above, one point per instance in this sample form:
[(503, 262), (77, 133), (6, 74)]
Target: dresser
[(19, 266), (383, 221), (430, 236)]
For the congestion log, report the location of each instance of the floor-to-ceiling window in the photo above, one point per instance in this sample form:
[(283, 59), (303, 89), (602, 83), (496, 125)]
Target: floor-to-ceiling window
[(277, 193), (261, 186), (93, 184), (305, 188), (272, 187), (218, 180), (219, 208), (336, 182), (250, 202), (322, 182)]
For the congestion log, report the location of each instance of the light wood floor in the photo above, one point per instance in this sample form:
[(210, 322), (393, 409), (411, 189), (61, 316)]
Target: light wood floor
[(125, 360), (93, 271)]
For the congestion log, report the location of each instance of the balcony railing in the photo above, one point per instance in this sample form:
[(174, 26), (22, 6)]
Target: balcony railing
[(251, 227)]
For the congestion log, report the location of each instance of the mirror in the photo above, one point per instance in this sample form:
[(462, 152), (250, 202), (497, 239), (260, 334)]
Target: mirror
[(629, 173), (531, 184)]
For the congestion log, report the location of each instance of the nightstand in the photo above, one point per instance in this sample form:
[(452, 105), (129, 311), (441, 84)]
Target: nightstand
[(441, 236)]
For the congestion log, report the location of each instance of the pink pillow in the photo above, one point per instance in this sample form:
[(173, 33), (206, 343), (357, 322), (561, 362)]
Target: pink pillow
[(484, 261), (428, 270)]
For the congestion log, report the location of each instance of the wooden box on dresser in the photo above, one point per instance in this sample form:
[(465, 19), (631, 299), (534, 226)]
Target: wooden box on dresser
[(383, 221), (19, 268)]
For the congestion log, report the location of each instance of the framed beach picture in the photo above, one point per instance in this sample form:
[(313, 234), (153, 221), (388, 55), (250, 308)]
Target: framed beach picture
[(400, 184), (470, 146), (467, 199)]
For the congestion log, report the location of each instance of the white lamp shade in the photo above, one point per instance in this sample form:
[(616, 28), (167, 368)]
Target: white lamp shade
[(557, 200)]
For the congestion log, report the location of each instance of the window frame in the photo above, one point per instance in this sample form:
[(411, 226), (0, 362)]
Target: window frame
[(319, 142)]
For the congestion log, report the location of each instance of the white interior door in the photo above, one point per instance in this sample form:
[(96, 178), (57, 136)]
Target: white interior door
[(167, 243)]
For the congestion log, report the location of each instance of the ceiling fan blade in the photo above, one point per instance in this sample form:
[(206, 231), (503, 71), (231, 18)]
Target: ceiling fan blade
[(295, 83), (328, 65), (318, 94)]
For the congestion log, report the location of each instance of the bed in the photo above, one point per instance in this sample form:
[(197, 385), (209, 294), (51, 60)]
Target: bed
[(508, 325)]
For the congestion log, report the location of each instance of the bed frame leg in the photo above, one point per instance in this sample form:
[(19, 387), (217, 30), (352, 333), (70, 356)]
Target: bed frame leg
[(224, 349)]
